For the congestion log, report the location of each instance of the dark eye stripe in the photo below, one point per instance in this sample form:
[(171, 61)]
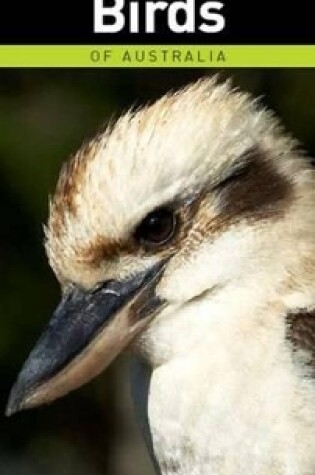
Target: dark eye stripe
[(236, 174), (260, 192)]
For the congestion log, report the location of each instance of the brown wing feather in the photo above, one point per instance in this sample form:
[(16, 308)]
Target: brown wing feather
[(301, 332)]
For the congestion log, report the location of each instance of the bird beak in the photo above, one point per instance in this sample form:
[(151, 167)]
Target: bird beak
[(87, 331)]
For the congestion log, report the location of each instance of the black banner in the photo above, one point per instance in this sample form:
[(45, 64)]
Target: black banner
[(72, 22)]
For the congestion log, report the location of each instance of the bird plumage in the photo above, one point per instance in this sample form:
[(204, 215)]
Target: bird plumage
[(225, 366)]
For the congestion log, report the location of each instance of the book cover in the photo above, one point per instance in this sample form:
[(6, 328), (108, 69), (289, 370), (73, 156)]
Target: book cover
[(157, 203)]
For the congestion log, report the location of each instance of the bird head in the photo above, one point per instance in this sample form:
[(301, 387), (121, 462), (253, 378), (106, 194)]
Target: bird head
[(167, 207)]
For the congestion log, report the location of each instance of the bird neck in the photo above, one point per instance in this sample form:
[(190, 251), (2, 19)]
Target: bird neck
[(223, 395)]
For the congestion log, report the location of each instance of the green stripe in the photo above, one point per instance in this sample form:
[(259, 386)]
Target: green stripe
[(157, 56)]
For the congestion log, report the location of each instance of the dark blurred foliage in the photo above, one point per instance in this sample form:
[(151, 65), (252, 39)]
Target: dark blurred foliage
[(44, 116)]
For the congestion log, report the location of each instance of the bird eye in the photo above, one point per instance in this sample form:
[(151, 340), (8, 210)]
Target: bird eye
[(157, 228)]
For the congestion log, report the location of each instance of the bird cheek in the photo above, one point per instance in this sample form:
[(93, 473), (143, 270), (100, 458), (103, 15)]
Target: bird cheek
[(202, 270), (181, 281)]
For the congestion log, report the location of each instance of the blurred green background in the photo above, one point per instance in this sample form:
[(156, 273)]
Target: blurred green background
[(44, 117)]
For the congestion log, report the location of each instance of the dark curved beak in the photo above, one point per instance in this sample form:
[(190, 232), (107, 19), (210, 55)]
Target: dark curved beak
[(87, 331)]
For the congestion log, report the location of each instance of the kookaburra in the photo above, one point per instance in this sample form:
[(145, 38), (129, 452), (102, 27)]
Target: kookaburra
[(185, 232)]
